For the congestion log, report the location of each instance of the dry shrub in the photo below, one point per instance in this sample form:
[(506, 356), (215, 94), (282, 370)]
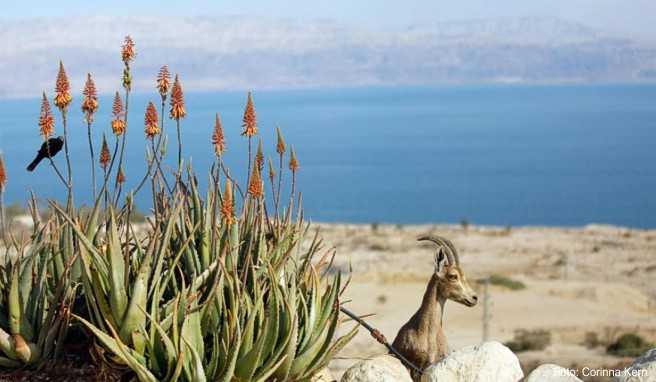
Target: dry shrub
[(526, 340)]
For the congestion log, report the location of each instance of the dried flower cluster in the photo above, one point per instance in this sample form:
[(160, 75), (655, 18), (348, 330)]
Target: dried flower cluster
[(272, 171), (218, 139), (46, 120), (280, 146), (255, 186), (120, 176), (151, 121), (3, 175), (163, 81), (62, 89), (228, 205), (118, 124), (90, 100), (177, 100), (250, 119), (259, 157), (127, 50), (127, 55), (293, 162), (104, 154)]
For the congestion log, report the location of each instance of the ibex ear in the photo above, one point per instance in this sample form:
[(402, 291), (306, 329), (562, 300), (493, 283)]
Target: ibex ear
[(441, 261)]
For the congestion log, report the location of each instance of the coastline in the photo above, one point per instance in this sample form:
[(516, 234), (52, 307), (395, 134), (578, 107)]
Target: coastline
[(590, 279)]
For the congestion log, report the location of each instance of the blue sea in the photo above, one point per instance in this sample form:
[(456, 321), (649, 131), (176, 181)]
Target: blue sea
[(502, 155)]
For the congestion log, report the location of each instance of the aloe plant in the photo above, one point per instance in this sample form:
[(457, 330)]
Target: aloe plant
[(195, 298), (34, 305)]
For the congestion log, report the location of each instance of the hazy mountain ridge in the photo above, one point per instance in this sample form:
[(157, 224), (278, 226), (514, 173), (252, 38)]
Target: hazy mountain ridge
[(240, 52)]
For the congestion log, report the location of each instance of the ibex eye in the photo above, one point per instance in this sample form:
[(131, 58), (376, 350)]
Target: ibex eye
[(452, 276)]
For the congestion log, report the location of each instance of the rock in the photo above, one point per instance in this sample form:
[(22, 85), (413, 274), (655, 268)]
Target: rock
[(323, 375), (643, 369), (384, 368), (24, 220), (551, 373), (488, 362)]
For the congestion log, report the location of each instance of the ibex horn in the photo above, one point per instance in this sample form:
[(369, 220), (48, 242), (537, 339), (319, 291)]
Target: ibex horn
[(451, 253)]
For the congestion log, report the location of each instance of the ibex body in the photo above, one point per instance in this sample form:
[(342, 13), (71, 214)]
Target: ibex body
[(421, 340)]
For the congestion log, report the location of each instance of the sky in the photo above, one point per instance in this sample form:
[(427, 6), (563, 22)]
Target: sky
[(628, 18)]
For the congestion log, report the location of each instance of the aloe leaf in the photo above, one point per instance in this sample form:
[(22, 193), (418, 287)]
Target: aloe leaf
[(15, 309), (114, 344), (197, 369), (229, 371), (118, 297), (7, 345), (9, 363), (332, 351), (135, 315)]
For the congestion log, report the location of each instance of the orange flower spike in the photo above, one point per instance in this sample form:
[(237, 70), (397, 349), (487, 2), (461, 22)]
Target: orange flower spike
[(127, 50), (280, 146), (227, 205), (90, 101), (218, 138), (46, 120), (177, 100), (105, 157), (255, 187), (259, 157), (120, 176), (118, 124), (3, 174), (272, 171), (62, 89), (250, 119), (163, 81), (151, 121), (293, 162)]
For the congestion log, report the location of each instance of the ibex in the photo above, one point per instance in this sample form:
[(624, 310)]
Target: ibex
[(421, 340)]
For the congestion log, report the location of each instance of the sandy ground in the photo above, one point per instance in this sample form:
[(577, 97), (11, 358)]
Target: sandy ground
[(590, 279), (596, 278)]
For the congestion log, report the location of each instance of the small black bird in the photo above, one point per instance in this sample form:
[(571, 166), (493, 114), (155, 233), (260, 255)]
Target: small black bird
[(55, 144)]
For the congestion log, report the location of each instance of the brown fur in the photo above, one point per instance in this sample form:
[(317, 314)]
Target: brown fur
[(421, 340)]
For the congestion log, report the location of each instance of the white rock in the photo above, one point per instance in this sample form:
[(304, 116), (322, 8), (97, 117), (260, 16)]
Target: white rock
[(488, 362), (551, 373), (643, 369), (384, 368), (24, 220)]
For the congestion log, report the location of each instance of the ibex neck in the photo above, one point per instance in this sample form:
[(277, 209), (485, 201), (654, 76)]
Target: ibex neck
[(432, 306)]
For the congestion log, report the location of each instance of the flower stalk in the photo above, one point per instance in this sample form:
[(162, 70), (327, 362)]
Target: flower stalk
[(89, 108), (293, 167), (62, 100), (280, 149), (163, 87), (47, 129), (127, 55), (104, 160), (249, 123), (178, 112)]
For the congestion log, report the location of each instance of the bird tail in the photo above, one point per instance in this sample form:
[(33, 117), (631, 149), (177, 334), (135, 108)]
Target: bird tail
[(34, 163)]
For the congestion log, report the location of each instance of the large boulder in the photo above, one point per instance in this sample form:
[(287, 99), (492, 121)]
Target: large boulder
[(383, 368), (552, 373), (488, 362), (643, 369)]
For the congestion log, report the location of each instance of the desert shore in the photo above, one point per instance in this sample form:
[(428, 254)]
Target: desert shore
[(593, 279), (578, 280)]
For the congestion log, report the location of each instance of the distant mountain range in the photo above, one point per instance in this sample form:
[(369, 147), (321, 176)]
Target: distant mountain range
[(245, 53)]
